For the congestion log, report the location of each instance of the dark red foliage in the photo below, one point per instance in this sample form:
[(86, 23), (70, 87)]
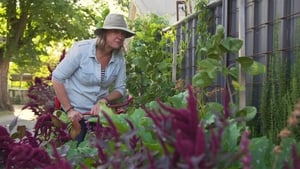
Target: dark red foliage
[(22, 150), (113, 128), (49, 127), (185, 119), (27, 157), (30, 139), (41, 97), (6, 143), (183, 130)]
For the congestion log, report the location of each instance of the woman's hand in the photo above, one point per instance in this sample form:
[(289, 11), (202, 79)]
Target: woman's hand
[(74, 115), (95, 109)]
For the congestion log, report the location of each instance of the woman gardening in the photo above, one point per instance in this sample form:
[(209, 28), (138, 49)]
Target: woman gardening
[(91, 67)]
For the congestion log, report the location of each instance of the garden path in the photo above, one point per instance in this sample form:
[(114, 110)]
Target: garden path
[(25, 117)]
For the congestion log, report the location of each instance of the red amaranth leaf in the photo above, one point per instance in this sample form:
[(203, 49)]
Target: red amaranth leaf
[(187, 116), (193, 107), (200, 141), (101, 154), (184, 146), (6, 144), (25, 156), (114, 130)]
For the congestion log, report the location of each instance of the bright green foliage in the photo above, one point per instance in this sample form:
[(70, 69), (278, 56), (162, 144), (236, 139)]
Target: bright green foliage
[(47, 21), (261, 150), (124, 4), (149, 61)]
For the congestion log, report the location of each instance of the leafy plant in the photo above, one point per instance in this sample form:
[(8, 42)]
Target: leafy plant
[(280, 89), (149, 61)]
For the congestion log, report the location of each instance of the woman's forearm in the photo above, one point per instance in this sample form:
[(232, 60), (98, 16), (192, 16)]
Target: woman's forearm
[(61, 94), (114, 95)]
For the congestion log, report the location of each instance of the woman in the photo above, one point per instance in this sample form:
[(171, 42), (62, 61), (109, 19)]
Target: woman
[(90, 69)]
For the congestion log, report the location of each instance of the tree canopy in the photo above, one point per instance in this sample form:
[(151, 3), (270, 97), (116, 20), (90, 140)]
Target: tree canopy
[(29, 26)]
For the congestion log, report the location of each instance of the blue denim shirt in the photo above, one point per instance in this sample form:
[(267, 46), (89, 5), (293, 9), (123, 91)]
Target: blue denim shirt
[(81, 74)]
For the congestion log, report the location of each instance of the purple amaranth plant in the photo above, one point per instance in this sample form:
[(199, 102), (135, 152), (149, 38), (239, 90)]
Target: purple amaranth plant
[(133, 139), (41, 97), (49, 127), (26, 157), (187, 142), (6, 143), (115, 149), (21, 152), (182, 130)]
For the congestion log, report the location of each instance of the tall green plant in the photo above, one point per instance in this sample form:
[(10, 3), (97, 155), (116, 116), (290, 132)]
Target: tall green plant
[(149, 61), (212, 67), (280, 89)]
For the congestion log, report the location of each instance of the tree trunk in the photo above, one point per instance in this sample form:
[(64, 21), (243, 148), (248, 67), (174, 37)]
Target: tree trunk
[(4, 95)]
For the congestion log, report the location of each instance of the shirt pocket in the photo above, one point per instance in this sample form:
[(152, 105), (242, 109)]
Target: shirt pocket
[(109, 81), (87, 78)]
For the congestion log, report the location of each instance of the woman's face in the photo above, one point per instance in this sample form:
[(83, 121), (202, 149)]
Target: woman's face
[(115, 38)]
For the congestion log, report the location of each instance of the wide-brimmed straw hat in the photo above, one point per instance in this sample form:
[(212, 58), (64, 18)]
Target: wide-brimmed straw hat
[(115, 21)]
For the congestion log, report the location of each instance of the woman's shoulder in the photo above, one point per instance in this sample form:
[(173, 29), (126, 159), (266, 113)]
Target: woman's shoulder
[(85, 43)]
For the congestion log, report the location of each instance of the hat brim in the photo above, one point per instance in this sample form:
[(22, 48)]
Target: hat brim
[(129, 33)]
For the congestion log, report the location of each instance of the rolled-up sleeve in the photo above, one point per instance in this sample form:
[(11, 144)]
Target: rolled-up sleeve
[(68, 65)]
